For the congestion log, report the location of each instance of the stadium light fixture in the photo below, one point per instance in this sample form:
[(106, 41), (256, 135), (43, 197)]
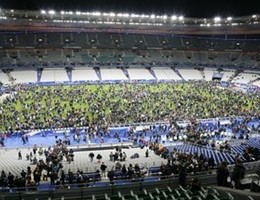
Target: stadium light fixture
[(43, 12), (229, 18), (253, 16), (62, 12), (51, 12), (181, 18), (96, 13), (144, 16), (164, 16), (174, 17), (217, 19), (78, 13), (112, 14), (152, 16), (134, 15)]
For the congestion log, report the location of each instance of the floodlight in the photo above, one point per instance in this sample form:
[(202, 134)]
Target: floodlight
[(96, 13), (152, 16), (51, 12), (112, 14), (217, 19), (229, 18), (134, 15), (62, 12), (164, 17), (125, 15), (78, 13), (70, 13), (43, 12), (181, 18), (174, 17), (253, 16)]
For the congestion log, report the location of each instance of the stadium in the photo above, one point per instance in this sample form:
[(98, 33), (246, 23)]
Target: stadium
[(116, 105)]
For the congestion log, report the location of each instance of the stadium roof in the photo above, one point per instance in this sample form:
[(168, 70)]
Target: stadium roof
[(77, 20), (188, 8)]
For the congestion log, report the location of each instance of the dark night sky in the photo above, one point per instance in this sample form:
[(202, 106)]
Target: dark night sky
[(189, 8)]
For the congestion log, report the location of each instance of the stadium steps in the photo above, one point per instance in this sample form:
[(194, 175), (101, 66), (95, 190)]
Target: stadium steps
[(253, 81), (177, 72), (10, 78), (97, 70), (203, 74), (231, 78), (126, 73), (153, 73)]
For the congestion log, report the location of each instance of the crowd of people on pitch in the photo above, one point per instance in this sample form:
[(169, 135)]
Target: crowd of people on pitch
[(86, 105)]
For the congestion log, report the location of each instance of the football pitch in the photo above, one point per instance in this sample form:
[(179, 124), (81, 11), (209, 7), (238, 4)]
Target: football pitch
[(63, 106)]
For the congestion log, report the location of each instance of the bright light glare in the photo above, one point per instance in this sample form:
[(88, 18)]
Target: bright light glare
[(96, 13), (134, 15), (43, 12), (78, 13), (165, 17), (229, 18), (152, 16), (174, 17), (62, 12), (254, 16), (51, 12), (217, 19), (112, 14), (181, 18)]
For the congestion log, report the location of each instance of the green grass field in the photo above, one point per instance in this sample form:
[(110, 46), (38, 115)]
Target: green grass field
[(79, 105)]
